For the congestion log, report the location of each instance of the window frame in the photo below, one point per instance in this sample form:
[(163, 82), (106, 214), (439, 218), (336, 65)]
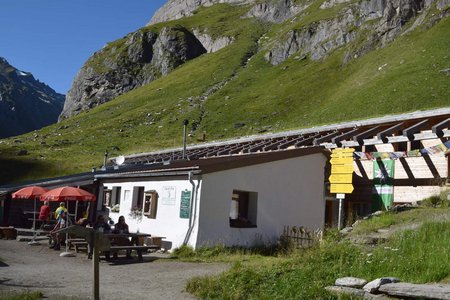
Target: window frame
[(150, 206), (244, 215)]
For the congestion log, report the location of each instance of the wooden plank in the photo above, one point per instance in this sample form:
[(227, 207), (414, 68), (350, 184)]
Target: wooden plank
[(368, 133), (393, 129), (410, 131), (337, 140), (438, 128)]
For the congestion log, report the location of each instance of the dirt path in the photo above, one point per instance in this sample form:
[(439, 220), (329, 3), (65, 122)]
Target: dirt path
[(38, 268)]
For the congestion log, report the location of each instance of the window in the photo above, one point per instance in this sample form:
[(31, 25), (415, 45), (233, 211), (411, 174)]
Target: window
[(138, 197), (150, 204), (243, 209), (107, 197), (115, 196)]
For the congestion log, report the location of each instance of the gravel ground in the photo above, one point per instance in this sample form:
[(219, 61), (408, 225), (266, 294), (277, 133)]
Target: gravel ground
[(38, 268)]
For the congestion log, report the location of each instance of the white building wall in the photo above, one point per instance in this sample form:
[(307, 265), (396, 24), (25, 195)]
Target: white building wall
[(168, 222), (290, 192)]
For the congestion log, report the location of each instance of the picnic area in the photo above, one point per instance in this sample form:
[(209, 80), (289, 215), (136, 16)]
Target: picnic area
[(39, 268)]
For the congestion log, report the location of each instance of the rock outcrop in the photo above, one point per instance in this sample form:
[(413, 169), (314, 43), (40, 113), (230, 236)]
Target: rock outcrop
[(276, 12), (379, 21), (25, 103), (121, 66), (212, 45), (177, 9)]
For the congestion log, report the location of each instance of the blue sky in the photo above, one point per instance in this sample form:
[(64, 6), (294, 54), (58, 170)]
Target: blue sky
[(53, 38)]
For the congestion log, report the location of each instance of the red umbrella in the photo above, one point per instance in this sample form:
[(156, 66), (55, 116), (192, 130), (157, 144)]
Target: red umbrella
[(29, 192), (67, 193)]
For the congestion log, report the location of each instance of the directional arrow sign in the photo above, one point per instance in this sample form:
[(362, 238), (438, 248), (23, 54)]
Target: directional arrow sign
[(342, 188), (341, 150), (341, 160), (342, 154), (341, 178), (347, 168)]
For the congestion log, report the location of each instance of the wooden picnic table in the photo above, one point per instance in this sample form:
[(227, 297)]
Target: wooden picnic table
[(136, 237), (133, 241)]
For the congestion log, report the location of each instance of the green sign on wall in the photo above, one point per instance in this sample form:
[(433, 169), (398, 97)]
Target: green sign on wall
[(383, 181), (185, 205)]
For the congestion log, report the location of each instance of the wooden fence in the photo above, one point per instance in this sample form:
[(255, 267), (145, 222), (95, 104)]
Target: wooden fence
[(300, 237)]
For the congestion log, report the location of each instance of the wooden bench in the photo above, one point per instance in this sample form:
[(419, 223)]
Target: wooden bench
[(138, 249), (155, 240), (77, 243), (30, 231)]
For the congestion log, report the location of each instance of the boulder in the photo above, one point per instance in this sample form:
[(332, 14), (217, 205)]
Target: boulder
[(373, 286), (343, 290), (416, 291), (352, 282)]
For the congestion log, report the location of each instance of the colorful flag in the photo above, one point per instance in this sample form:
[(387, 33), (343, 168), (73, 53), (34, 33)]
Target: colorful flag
[(383, 181)]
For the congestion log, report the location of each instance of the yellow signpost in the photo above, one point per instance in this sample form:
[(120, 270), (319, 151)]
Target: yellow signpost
[(341, 178), (342, 169), (341, 188), (341, 175), (341, 160), (343, 150)]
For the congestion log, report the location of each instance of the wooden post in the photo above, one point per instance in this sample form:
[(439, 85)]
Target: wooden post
[(95, 267)]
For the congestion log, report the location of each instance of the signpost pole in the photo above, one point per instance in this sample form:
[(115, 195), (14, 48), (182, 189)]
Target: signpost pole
[(340, 216), (341, 177), (95, 267)]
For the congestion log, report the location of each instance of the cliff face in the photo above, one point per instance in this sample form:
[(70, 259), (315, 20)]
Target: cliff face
[(271, 11), (177, 9), (139, 58), (25, 103), (374, 22)]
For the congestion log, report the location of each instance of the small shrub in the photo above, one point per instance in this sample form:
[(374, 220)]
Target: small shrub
[(440, 200), (183, 252)]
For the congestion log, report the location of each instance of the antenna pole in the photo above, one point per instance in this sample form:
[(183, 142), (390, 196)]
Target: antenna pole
[(105, 158), (185, 123)]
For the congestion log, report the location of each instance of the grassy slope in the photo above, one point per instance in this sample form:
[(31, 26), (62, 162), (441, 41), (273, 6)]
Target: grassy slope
[(295, 94), (413, 256)]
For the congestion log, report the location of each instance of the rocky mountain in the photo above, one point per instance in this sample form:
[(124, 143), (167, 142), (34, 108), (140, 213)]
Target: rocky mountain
[(25, 103), (238, 68), (154, 51), (176, 9), (133, 61)]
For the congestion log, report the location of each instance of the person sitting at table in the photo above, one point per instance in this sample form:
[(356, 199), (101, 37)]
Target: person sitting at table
[(83, 222), (101, 225), (121, 226), (44, 214), (58, 238)]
